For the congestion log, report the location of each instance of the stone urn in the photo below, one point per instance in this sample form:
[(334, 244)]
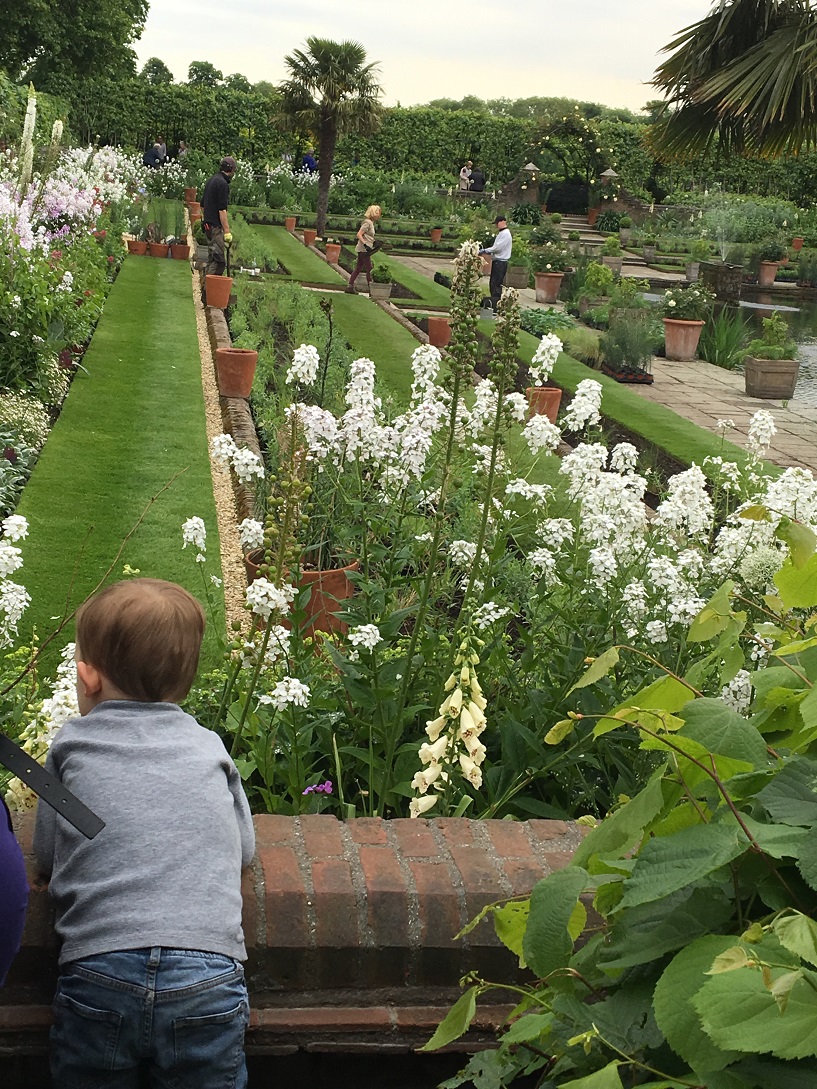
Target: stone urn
[(548, 285)]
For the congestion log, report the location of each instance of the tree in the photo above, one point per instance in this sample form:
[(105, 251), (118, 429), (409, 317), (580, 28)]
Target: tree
[(45, 43), (746, 76), (156, 72), (330, 90), (237, 82), (204, 74)]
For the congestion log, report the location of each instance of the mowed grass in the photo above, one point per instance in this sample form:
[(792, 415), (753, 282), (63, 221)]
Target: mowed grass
[(299, 261), (128, 426)]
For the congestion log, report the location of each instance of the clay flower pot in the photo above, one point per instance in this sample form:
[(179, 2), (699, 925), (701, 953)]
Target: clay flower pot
[(681, 338), (235, 370), (767, 270), (547, 286), (544, 401), (436, 234), (309, 236), (139, 248), (158, 249), (592, 215), (289, 222), (190, 195), (180, 251), (332, 252), (218, 289), (194, 217), (797, 243), (329, 590), (439, 331)]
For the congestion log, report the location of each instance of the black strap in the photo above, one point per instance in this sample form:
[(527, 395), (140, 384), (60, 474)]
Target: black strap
[(49, 788)]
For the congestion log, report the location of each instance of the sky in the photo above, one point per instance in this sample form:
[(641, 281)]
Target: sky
[(593, 50)]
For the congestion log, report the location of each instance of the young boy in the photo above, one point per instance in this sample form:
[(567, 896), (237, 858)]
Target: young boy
[(149, 911)]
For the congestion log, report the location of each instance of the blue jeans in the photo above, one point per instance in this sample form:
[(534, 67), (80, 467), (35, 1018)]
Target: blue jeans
[(180, 1013)]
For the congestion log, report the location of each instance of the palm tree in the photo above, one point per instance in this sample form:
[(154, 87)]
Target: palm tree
[(330, 90), (746, 74)]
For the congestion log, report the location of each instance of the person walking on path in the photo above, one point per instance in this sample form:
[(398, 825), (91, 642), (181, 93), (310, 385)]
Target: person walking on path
[(149, 911), (365, 247), (214, 216), (500, 251), (465, 176)]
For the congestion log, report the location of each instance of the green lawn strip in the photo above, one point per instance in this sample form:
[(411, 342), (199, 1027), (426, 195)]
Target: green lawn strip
[(127, 427), (656, 424), (424, 288), (299, 261)]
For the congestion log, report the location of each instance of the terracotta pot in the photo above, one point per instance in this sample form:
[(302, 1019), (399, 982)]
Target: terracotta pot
[(681, 338), (436, 234), (289, 222), (380, 291), (439, 332), (767, 270), (592, 215), (194, 217), (544, 401), (771, 378), (218, 290), (547, 286), (193, 206), (309, 236), (329, 590), (139, 248), (190, 195), (158, 249), (180, 251), (235, 370), (797, 243), (332, 252)]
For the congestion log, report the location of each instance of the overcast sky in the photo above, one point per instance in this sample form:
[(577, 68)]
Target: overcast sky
[(595, 50)]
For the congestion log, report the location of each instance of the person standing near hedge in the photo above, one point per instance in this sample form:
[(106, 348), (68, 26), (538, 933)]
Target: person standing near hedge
[(465, 176), (214, 205), (365, 247), (500, 251)]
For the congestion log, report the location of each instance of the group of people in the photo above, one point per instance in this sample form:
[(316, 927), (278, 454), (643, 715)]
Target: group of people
[(156, 154), (472, 180)]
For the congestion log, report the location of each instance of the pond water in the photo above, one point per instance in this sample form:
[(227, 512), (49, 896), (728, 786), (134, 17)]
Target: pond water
[(801, 314)]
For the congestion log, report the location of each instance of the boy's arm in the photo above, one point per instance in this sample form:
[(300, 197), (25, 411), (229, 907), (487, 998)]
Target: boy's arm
[(243, 815), (45, 825)]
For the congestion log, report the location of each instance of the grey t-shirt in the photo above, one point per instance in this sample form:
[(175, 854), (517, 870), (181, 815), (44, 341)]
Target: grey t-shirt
[(166, 868)]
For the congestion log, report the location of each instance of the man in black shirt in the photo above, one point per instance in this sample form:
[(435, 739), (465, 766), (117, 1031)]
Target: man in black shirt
[(477, 180), (214, 215)]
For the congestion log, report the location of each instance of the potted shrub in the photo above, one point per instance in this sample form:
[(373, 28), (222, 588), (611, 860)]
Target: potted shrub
[(548, 263), (598, 284), (544, 398), (611, 253), (770, 364), (556, 218), (179, 248), (624, 228), (627, 349), (771, 253), (573, 236), (518, 274), (698, 251), (648, 247), (381, 285), (685, 311)]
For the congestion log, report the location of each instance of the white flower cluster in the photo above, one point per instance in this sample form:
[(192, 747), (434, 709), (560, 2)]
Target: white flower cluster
[(251, 534), (365, 636), (540, 434), (544, 358), (453, 745), (488, 614), (245, 464), (286, 692), (304, 365), (585, 408), (264, 598), (738, 693), (194, 532)]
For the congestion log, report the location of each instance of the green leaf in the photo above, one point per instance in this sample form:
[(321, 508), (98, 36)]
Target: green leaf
[(799, 538), (510, 921), (680, 982), (455, 1023), (547, 944), (578, 921), (771, 1074), (798, 934), (530, 1027), (713, 617), (723, 732), (665, 865), (756, 513), (735, 957), (791, 797), (782, 986), (599, 668), (779, 841), (621, 830), (737, 1010), (798, 585), (807, 861), (608, 1078), (665, 694), (790, 649), (560, 731)]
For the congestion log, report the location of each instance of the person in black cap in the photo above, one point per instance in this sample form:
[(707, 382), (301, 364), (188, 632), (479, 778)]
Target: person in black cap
[(500, 251), (214, 215)]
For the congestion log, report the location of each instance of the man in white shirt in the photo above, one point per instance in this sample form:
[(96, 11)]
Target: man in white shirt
[(500, 251)]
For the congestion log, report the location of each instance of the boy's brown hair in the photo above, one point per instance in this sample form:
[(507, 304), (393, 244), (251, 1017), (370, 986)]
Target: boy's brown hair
[(145, 636)]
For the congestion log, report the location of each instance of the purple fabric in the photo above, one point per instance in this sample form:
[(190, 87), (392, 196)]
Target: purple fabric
[(13, 893)]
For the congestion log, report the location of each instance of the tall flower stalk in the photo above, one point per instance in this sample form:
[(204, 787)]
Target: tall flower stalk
[(27, 144)]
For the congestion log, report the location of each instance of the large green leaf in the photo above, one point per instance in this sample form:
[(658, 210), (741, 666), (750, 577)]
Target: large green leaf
[(799, 538), (619, 832), (665, 694), (724, 732), (798, 934), (772, 1074), (510, 921), (807, 860), (644, 933), (682, 979), (608, 1078), (455, 1023), (737, 1010), (779, 841), (665, 865), (547, 944), (599, 668), (791, 797), (714, 617), (798, 585), (531, 1026)]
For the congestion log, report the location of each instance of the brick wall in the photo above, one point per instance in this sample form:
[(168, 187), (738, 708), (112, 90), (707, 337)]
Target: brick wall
[(350, 929)]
